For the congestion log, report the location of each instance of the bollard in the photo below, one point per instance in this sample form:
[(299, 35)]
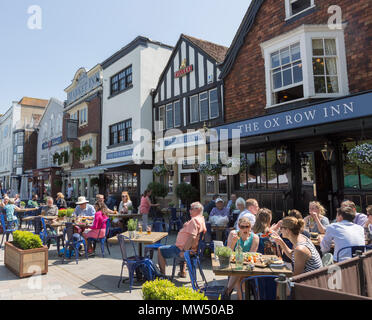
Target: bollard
[(282, 283)]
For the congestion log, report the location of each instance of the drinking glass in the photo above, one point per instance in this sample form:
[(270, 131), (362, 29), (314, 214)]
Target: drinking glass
[(115, 208), (140, 228), (148, 229)]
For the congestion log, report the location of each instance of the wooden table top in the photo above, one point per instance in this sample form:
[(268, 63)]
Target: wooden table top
[(231, 271), (144, 237), (219, 228), (45, 217), (63, 223)]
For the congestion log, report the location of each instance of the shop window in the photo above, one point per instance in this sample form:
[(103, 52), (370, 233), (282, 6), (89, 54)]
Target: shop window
[(210, 183), (356, 177), (161, 118), (222, 184), (194, 109), (169, 115), (294, 7)]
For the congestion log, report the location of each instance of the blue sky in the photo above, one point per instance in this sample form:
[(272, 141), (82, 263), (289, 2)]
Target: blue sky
[(82, 33)]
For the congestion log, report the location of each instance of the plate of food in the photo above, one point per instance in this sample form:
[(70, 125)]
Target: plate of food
[(249, 258)]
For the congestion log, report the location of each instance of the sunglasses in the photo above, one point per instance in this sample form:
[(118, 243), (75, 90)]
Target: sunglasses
[(244, 227)]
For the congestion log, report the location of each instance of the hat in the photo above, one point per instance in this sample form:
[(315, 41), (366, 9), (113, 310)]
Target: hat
[(82, 200), (220, 200)]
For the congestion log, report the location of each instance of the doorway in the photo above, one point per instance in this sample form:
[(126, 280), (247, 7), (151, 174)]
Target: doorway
[(315, 181), (193, 179)]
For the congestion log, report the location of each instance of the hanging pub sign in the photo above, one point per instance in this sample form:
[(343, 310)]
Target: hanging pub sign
[(184, 70)]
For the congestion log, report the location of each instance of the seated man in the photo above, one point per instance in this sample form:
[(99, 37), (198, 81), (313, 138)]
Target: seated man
[(360, 218), (212, 204), (187, 238), (231, 203), (50, 209), (220, 210), (83, 208), (344, 233)]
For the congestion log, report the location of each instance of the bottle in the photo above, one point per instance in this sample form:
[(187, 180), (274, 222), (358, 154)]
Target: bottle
[(239, 256)]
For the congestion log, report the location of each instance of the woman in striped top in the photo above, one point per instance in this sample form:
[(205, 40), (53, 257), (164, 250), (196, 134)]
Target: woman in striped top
[(304, 255)]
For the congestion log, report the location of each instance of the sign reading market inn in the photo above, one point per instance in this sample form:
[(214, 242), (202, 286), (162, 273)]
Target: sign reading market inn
[(338, 110), (84, 85)]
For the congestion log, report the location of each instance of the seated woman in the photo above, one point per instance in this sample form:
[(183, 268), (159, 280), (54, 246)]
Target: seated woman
[(125, 203), (305, 257), (98, 230), (248, 241), (262, 229), (9, 208), (316, 220)]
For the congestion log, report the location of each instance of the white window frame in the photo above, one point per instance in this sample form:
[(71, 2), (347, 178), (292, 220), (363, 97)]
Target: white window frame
[(288, 9), (209, 98), (83, 119), (197, 100), (304, 34)]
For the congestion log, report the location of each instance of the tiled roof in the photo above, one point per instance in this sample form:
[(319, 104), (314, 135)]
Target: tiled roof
[(34, 102), (216, 51)]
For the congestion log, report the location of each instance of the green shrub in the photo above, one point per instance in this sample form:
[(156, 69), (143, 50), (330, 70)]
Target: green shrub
[(69, 212), (132, 225), (158, 190), (26, 240), (166, 290), (187, 193), (62, 213)]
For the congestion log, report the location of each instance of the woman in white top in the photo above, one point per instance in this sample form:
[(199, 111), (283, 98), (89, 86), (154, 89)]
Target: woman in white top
[(125, 203)]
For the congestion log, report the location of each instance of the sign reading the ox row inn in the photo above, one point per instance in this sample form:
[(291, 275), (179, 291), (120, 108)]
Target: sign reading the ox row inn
[(84, 85), (184, 70), (343, 109)]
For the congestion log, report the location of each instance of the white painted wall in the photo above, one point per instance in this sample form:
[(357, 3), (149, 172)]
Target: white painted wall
[(53, 116), (146, 178)]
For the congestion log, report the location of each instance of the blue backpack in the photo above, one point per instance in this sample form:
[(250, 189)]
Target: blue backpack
[(149, 270)]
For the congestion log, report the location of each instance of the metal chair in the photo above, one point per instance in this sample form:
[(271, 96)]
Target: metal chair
[(47, 237), (192, 262), (103, 239), (157, 226), (73, 242), (262, 287), (131, 262), (353, 250), (175, 221), (207, 241), (181, 261), (8, 228)]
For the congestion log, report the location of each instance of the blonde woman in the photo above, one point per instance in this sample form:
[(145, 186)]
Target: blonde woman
[(248, 241), (316, 220), (125, 202), (60, 201)]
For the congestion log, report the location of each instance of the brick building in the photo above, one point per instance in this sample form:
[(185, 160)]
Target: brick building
[(297, 87)]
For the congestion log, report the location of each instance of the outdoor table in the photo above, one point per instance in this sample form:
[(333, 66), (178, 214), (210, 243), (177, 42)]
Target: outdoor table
[(143, 239), (125, 216), (219, 230), (34, 217), (256, 271)]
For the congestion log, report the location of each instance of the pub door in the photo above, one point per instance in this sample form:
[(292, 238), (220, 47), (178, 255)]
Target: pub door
[(315, 180)]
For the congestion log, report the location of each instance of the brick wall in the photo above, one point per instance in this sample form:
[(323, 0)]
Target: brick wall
[(245, 88), (29, 152)]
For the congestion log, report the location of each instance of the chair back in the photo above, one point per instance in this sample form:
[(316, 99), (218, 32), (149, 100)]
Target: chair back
[(3, 224), (263, 287), (123, 248), (353, 250), (108, 227), (191, 266), (174, 213), (38, 225), (159, 226), (69, 231)]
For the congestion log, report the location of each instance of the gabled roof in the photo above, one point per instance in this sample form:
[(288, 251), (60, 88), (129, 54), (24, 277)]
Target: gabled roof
[(216, 51), (34, 102), (239, 38), (140, 40)]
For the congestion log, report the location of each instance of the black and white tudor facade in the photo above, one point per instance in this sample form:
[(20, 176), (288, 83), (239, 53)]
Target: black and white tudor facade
[(189, 95)]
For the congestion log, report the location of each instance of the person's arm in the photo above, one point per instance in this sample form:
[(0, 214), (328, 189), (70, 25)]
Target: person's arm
[(255, 243), (326, 243), (278, 240), (321, 228), (300, 258), (152, 205), (232, 239)]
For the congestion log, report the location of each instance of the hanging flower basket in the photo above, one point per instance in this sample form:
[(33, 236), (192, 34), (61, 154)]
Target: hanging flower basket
[(361, 155), (161, 170), (242, 165), (209, 169)]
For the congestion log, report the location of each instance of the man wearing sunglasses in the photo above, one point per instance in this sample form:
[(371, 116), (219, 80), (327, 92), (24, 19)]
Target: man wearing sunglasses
[(187, 239)]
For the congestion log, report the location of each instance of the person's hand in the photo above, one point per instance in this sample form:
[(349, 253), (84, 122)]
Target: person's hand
[(313, 214), (276, 237), (235, 237)]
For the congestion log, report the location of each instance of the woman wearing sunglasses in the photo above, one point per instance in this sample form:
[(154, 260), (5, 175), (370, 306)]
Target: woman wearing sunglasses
[(125, 203), (248, 241)]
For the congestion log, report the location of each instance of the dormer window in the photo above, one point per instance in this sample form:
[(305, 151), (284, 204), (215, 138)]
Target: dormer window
[(295, 7)]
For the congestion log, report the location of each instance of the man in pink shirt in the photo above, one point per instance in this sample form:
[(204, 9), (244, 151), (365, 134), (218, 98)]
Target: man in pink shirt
[(187, 238)]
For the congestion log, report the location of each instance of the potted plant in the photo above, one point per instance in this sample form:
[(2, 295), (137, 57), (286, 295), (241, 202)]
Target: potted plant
[(69, 213), (132, 227), (187, 193), (26, 255), (171, 205), (77, 153), (161, 170), (86, 150), (223, 254), (158, 190), (64, 156), (62, 213)]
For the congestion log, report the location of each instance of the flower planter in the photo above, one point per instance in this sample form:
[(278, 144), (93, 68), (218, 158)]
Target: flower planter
[(25, 263), (132, 234), (224, 262)]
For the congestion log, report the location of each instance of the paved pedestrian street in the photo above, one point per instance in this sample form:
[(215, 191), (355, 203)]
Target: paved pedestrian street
[(93, 279)]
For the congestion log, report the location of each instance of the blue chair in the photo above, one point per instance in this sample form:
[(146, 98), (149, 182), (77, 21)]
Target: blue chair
[(353, 250), (131, 262), (73, 242), (193, 262), (207, 241), (8, 228), (181, 261), (262, 287), (102, 238), (157, 226), (47, 238), (33, 213), (175, 221)]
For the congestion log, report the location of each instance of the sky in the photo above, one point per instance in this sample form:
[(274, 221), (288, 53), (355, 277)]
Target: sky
[(41, 63)]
